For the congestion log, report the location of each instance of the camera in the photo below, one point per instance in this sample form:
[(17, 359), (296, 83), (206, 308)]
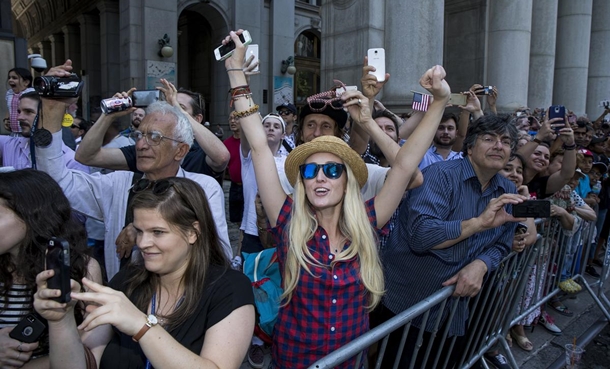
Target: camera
[(38, 63), (58, 88)]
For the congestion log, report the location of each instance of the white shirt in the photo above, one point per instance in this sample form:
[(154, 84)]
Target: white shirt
[(104, 197)]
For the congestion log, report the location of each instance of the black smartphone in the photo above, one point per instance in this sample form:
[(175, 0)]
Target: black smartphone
[(521, 229), (532, 209), (486, 90), (142, 99), (58, 259), (558, 111), (29, 329)]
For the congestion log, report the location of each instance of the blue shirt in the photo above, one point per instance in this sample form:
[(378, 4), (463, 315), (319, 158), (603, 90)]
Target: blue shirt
[(584, 186), (431, 156), (430, 215)]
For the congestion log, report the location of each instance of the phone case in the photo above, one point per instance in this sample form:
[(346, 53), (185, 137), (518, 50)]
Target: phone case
[(58, 259), (29, 329), (253, 50), (222, 52), (558, 111), (532, 209), (376, 58), (457, 99)]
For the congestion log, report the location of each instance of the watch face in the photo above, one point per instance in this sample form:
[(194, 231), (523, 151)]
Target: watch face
[(152, 319)]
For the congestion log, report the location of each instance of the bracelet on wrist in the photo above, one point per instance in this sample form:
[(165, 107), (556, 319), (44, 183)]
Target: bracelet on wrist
[(239, 89), (245, 113), (537, 140), (247, 96), (234, 70), (569, 147)]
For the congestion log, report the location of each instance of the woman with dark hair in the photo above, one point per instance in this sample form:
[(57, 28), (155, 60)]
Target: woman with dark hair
[(181, 307), (33, 209), (19, 81)]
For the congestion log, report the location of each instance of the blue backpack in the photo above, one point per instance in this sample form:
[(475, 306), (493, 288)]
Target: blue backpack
[(263, 270)]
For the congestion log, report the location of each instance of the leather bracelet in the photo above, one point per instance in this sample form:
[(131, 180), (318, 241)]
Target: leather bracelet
[(569, 147), (243, 89), (245, 113), (537, 140)]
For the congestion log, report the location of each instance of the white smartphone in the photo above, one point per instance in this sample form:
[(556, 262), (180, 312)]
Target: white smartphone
[(377, 59), (224, 51), (253, 50)]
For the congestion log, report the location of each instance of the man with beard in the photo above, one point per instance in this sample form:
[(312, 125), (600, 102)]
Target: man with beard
[(136, 119), (16, 151), (388, 122), (445, 137)]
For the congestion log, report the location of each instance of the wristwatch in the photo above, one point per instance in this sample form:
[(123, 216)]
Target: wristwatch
[(151, 321)]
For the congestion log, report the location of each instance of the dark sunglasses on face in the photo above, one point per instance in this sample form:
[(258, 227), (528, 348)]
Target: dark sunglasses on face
[(284, 112), (330, 170), (74, 126), (158, 187)]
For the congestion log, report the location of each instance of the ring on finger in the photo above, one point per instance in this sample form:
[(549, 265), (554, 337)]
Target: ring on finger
[(359, 101)]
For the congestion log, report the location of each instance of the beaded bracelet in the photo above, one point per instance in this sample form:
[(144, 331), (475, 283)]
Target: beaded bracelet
[(245, 113)]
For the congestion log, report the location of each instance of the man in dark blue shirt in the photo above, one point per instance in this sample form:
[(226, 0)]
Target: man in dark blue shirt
[(454, 229)]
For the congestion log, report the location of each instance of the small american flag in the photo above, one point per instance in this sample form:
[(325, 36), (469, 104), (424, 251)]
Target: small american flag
[(420, 101)]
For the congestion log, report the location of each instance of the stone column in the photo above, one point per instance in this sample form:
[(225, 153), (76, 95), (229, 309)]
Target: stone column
[(281, 45), (572, 54), (109, 40), (45, 51), (542, 53), (599, 59), (91, 67), (133, 68), (58, 50), (509, 33), (72, 45)]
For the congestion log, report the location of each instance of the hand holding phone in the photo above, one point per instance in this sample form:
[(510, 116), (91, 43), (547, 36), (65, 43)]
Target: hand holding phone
[(558, 111), (141, 99), (29, 329), (532, 209), (376, 58), (58, 259), (252, 51), (222, 52)]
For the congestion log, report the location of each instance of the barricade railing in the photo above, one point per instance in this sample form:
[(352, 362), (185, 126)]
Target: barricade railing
[(494, 310)]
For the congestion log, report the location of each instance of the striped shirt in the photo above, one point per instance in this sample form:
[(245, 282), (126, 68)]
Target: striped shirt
[(19, 304), (430, 215)]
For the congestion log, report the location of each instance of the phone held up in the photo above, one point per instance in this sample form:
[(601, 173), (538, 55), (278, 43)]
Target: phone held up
[(58, 259), (222, 52), (558, 111), (29, 329), (376, 58), (532, 209), (486, 90), (253, 51), (141, 99)]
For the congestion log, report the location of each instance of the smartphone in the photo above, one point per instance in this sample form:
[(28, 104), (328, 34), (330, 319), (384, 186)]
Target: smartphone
[(58, 259), (558, 111), (532, 209), (252, 50), (486, 90), (142, 99), (340, 90), (457, 99), (376, 58), (224, 51), (521, 229), (29, 329)]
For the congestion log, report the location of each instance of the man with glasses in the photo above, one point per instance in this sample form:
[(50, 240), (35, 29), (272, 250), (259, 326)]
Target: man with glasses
[(288, 112), (15, 151), (207, 155), (439, 241), (162, 141)]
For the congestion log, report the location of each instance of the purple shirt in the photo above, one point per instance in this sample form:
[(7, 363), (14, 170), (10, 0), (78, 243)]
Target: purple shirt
[(15, 153)]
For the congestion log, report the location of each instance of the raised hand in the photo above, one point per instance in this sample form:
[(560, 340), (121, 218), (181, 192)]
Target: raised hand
[(126, 241), (369, 83), (44, 304), (433, 80), (170, 91), (236, 60), (495, 215), (357, 105)]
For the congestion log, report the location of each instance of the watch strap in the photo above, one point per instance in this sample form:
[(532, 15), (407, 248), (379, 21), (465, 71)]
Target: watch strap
[(148, 325)]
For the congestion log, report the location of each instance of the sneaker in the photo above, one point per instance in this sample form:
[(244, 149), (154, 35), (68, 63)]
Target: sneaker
[(547, 322), (590, 270), (574, 284), (499, 361), (256, 356)]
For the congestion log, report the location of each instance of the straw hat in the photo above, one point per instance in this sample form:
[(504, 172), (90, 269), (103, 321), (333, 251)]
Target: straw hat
[(330, 144)]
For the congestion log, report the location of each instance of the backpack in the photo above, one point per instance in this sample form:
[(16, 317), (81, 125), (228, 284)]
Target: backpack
[(263, 270)]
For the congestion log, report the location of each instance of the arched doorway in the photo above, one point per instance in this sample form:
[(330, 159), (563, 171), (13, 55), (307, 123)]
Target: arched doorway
[(307, 62), (200, 26)]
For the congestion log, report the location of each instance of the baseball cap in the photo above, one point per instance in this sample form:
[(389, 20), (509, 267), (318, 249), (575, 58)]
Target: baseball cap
[(585, 152), (601, 167), (289, 106)]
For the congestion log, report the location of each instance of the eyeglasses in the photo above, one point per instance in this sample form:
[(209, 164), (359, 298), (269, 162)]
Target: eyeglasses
[(284, 112), (158, 187), (152, 138), (506, 142), (75, 126), (330, 170)]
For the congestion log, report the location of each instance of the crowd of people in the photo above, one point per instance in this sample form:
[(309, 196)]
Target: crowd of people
[(369, 213)]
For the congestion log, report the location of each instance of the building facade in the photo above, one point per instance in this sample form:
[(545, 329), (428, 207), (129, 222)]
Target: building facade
[(538, 52)]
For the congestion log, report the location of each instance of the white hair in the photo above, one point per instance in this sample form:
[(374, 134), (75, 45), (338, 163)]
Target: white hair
[(183, 130)]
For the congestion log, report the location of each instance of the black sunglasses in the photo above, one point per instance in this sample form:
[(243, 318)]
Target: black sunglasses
[(330, 170), (75, 126), (158, 187)]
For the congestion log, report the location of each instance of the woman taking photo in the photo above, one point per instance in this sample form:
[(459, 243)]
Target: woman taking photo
[(325, 234), (182, 307), (33, 209)]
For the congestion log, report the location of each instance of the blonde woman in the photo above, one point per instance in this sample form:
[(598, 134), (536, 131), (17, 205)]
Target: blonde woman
[(325, 234)]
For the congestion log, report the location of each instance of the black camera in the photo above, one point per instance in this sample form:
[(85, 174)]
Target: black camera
[(58, 87)]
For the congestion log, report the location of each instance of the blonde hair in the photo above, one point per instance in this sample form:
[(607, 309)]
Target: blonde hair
[(353, 223)]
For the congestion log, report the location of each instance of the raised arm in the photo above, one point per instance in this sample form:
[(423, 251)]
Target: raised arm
[(268, 180), (409, 156), (558, 179)]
